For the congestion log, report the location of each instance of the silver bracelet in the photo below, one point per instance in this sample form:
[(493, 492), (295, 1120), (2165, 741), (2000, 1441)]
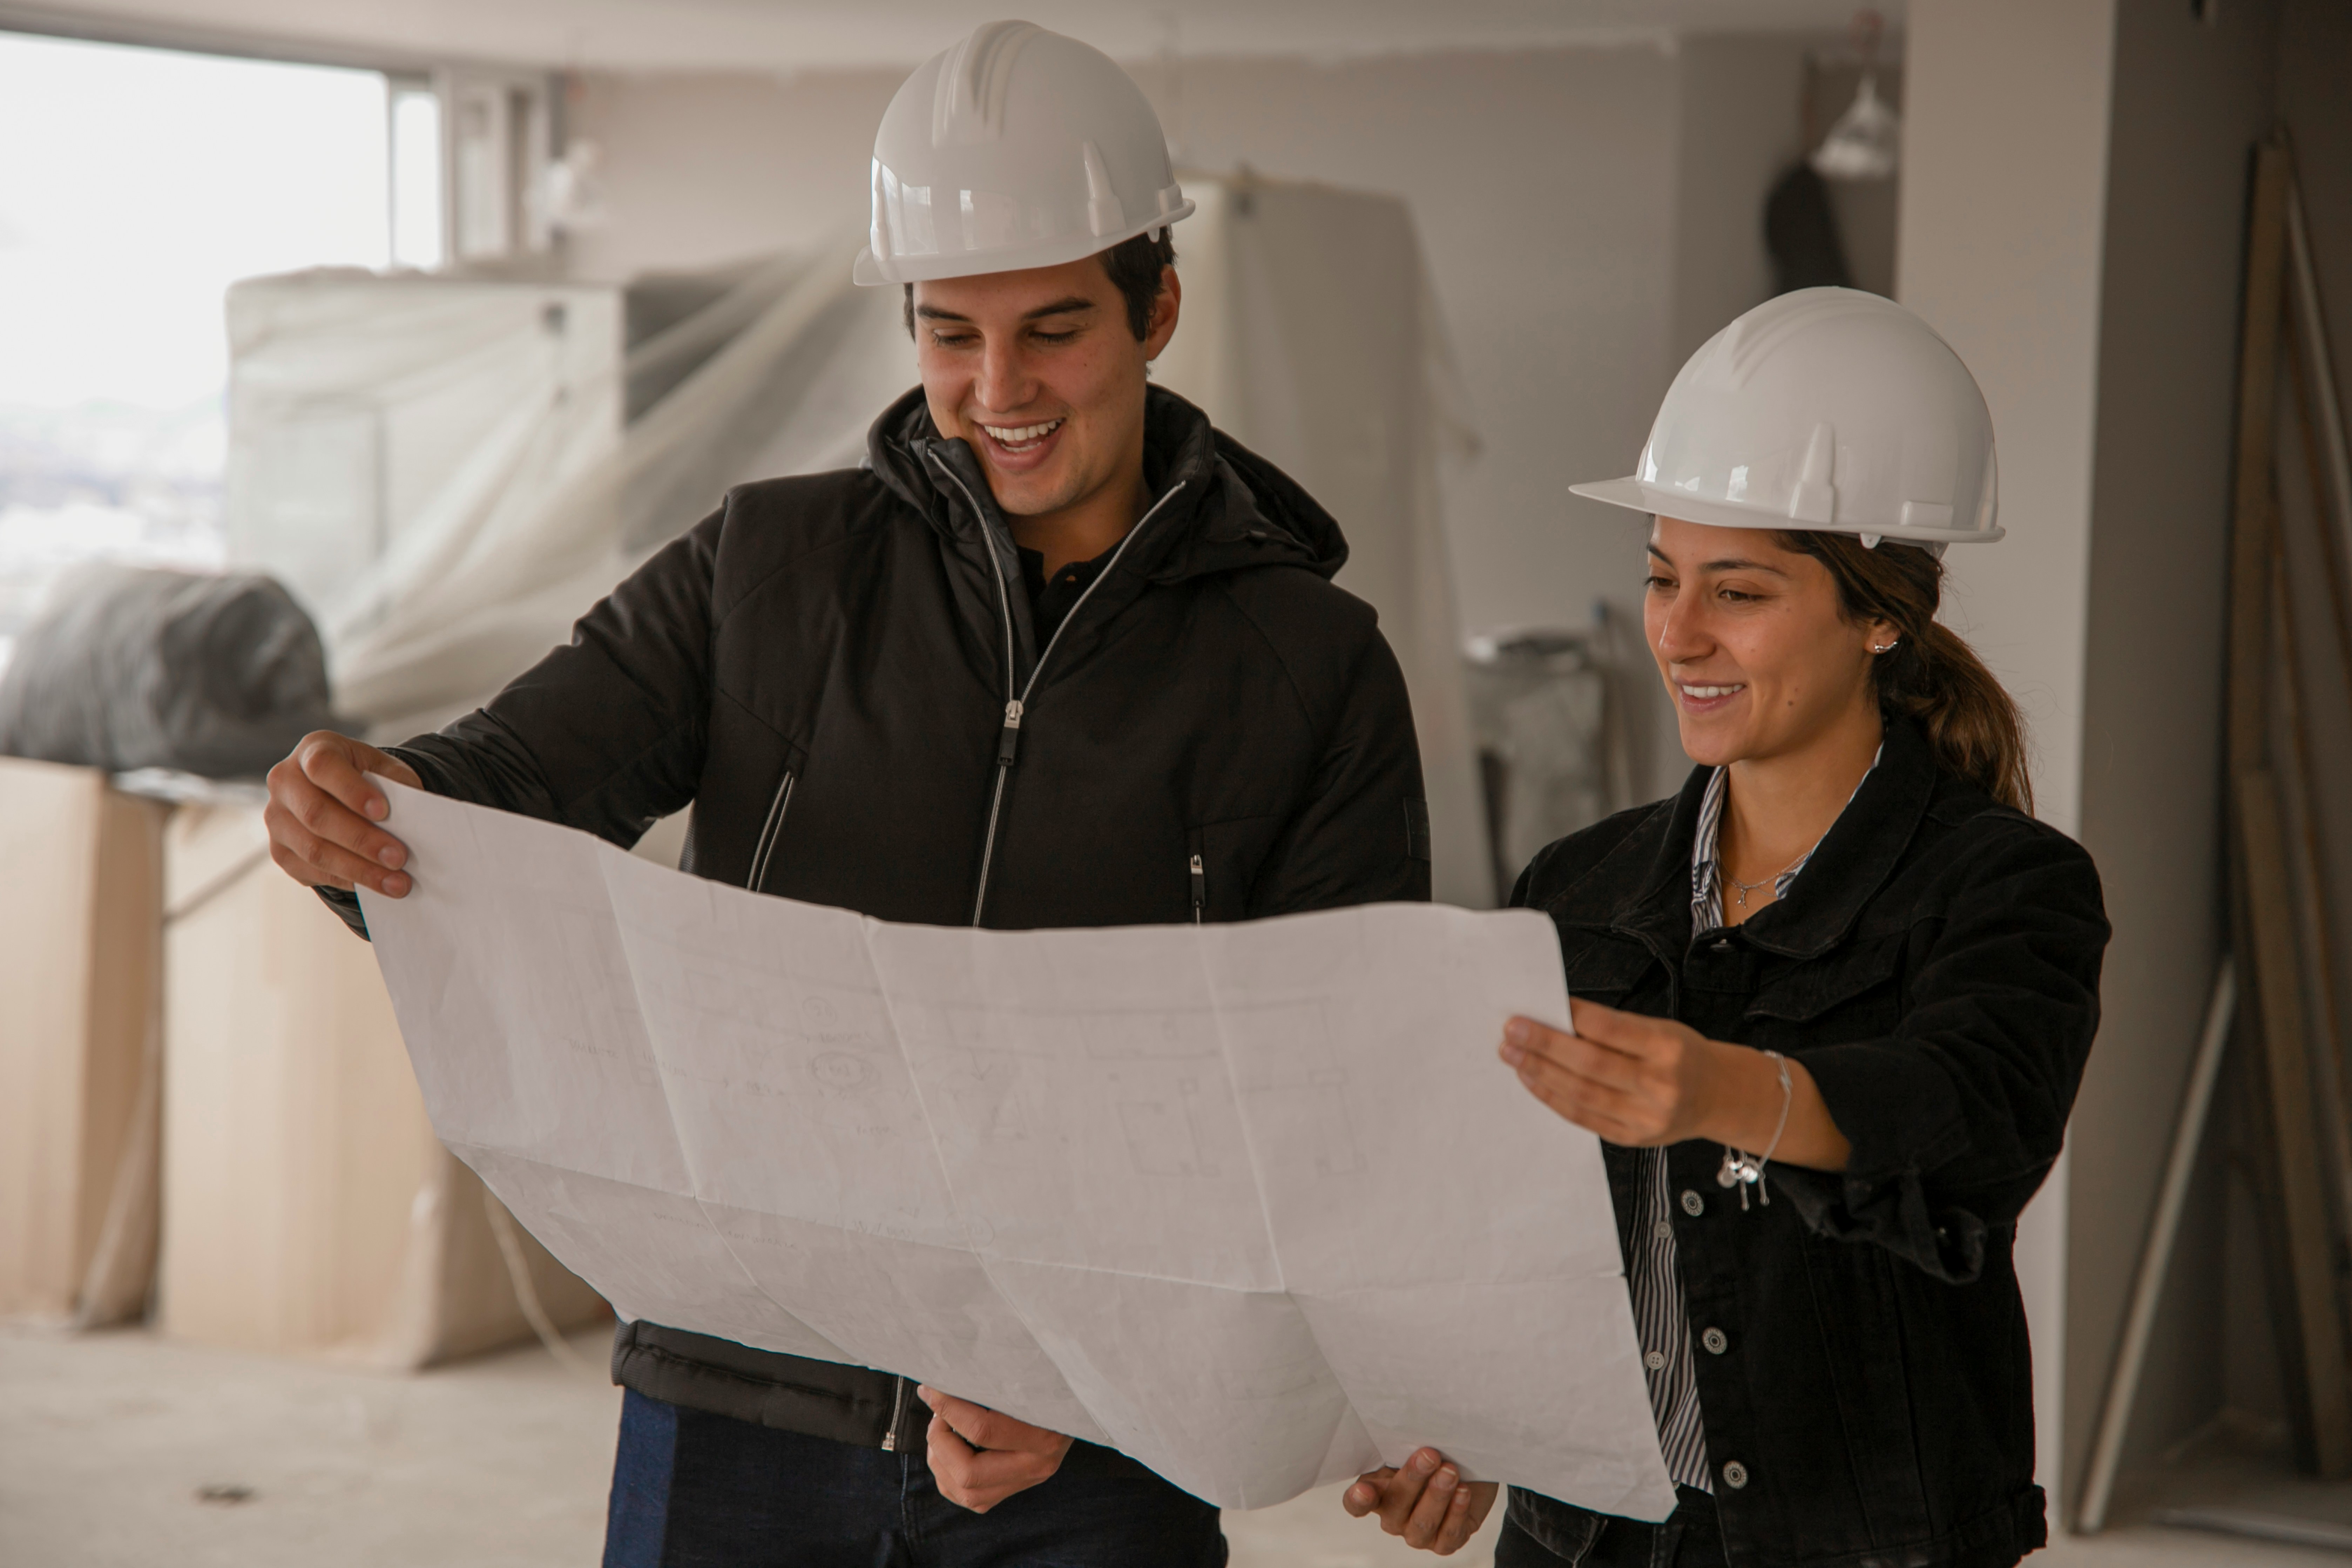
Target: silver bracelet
[(1743, 1170)]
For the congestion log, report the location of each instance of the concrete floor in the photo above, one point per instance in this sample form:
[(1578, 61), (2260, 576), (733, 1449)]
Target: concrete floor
[(108, 1444)]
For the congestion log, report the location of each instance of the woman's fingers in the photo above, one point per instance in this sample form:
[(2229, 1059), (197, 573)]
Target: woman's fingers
[(1365, 1495), (1472, 1502), (1429, 1515), (1424, 1501), (1632, 1079), (1527, 1042), (1406, 1487)]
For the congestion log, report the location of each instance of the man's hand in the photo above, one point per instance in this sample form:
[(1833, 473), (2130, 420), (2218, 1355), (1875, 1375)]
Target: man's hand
[(1425, 1501), (322, 814), (981, 1457)]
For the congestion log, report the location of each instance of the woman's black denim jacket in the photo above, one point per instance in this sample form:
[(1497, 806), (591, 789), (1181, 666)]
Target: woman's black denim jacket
[(1935, 967)]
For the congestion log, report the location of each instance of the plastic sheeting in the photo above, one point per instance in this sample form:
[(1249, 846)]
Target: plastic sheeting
[(1309, 333), (132, 668)]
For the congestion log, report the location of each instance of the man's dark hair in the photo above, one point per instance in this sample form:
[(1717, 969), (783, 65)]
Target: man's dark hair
[(1134, 266)]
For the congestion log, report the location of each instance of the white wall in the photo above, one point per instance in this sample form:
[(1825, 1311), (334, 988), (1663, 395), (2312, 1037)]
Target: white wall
[(2004, 185), (2189, 100)]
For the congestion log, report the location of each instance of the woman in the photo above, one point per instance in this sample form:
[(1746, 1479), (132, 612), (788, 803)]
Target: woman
[(1831, 1004)]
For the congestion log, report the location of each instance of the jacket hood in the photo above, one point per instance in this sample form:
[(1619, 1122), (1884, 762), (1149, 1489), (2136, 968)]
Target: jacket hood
[(1234, 509)]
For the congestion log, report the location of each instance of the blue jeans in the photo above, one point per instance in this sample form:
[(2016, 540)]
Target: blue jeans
[(695, 1490), (1554, 1535)]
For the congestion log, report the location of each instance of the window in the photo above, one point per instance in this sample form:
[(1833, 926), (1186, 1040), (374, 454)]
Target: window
[(135, 185)]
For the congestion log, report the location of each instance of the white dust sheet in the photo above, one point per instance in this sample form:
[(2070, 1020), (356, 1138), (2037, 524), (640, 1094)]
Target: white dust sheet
[(1253, 1203)]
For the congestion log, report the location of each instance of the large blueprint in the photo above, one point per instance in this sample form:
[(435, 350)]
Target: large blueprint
[(1255, 1203)]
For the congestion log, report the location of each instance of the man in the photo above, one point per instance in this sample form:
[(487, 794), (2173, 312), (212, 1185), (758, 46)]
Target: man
[(1060, 655)]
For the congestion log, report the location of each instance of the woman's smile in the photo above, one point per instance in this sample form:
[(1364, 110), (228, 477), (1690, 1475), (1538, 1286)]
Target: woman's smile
[(1707, 697)]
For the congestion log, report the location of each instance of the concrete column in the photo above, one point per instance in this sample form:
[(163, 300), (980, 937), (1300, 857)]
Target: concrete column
[(2004, 185)]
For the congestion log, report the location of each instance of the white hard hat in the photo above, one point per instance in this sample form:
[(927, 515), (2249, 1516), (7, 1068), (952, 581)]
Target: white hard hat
[(1016, 148), (1825, 409)]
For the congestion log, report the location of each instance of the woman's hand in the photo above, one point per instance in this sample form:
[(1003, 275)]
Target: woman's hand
[(981, 1457), (1640, 1082), (1425, 1501)]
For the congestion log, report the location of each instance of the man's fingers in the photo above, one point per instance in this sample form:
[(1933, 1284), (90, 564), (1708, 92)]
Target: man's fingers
[(950, 1460), (990, 1429), (1000, 1472), (979, 1480), (301, 870), (340, 766), (298, 798), (309, 857)]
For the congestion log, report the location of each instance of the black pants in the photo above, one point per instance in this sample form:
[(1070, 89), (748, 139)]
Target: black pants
[(1540, 1534), (696, 1490)]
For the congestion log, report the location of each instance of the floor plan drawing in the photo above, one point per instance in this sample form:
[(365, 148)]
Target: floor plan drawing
[(1167, 1188)]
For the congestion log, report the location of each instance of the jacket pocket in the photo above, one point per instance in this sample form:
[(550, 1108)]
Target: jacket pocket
[(1562, 1529), (1221, 864), (1863, 1346), (772, 827), (1601, 968), (1855, 989)]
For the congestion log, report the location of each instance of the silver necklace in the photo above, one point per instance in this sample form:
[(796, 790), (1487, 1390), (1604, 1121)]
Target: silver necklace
[(1744, 888)]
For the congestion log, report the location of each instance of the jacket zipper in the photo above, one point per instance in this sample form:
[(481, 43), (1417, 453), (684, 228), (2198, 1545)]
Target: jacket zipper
[(1008, 739), (769, 834), (1199, 888), (898, 1409)]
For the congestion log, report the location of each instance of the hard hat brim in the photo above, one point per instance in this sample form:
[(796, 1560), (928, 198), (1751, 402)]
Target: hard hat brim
[(868, 273), (1657, 500)]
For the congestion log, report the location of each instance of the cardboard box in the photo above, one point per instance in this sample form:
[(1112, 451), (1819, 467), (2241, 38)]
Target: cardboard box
[(307, 1205), (82, 867)]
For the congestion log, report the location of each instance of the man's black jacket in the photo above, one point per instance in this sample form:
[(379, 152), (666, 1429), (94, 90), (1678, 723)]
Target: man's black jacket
[(824, 667), (1936, 968)]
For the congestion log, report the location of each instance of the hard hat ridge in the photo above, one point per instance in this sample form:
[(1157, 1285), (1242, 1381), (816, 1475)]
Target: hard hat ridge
[(968, 104), (1014, 148), (1822, 409)]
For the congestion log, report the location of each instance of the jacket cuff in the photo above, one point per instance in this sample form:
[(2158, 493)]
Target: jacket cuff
[(347, 905), (1898, 1111)]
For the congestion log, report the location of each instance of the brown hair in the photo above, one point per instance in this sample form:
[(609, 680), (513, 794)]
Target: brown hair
[(1134, 266), (1932, 676)]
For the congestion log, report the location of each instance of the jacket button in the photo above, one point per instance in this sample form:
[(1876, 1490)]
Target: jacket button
[(1722, 944), (1692, 1203), (1715, 1342), (1735, 1474)]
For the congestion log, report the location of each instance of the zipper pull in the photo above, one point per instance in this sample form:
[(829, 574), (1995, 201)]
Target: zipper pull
[(1008, 740), (1199, 888)]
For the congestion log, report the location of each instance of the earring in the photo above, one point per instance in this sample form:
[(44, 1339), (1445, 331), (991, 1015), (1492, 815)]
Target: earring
[(1886, 648)]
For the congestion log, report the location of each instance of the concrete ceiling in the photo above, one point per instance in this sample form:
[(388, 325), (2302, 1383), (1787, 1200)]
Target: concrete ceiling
[(789, 35)]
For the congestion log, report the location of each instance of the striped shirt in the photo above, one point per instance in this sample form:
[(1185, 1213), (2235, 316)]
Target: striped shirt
[(1661, 1318)]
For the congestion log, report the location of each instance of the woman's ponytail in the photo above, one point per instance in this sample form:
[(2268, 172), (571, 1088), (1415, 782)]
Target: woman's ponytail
[(1931, 675)]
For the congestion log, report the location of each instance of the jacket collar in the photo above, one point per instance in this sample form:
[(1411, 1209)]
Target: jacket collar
[(1828, 897), (1233, 509)]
